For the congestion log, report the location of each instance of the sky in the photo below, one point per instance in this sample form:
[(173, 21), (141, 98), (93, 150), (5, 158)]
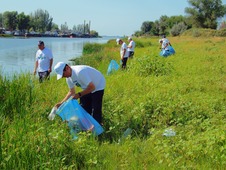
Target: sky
[(112, 18)]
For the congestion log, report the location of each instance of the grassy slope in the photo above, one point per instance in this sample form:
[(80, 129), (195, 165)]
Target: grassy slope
[(185, 92)]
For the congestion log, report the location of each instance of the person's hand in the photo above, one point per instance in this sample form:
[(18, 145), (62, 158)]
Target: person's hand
[(34, 72), (57, 105), (76, 96)]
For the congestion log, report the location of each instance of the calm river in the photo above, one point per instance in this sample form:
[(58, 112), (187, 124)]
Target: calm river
[(17, 55)]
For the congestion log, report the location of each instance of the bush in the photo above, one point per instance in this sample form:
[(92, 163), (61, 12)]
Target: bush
[(177, 29), (155, 65), (90, 48), (221, 33)]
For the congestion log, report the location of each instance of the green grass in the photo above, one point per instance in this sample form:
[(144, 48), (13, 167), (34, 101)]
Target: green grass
[(185, 92)]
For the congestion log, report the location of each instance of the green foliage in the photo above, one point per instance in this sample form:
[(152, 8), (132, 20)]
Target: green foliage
[(178, 29), (184, 92), (140, 44), (221, 32), (10, 20), (195, 32), (91, 48), (211, 10), (23, 21), (161, 26), (151, 65)]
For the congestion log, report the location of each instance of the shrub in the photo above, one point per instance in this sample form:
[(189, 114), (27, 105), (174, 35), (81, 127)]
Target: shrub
[(155, 65), (177, 29), (221, 33), (90, 48)]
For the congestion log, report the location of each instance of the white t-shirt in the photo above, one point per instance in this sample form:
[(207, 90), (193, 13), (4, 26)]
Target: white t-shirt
[(82, 75), (132, 44), (165, 43), (124, 46), (43, 57)]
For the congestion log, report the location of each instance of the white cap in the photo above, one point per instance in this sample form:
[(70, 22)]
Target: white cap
[(129, 38), (117, 40), (59, 69)]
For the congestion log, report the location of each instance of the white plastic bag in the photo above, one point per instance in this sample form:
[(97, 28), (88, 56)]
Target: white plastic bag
[(169, 132), (52, 113)]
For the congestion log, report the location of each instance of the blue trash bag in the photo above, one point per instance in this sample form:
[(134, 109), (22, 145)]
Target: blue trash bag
[(166, 53), (171, 50), (113, 66), (78, 119)]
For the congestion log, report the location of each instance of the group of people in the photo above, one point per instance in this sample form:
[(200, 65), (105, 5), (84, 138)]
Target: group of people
[(91, 81), (88, 78), (126, 51)]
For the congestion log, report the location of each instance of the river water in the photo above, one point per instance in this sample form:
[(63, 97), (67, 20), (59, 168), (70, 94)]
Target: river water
[(17, 55)]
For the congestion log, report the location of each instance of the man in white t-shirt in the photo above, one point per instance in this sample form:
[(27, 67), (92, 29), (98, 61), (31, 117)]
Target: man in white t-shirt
[(164, 43), (92, 83), (44, 61), (131, 47), (124, 54)]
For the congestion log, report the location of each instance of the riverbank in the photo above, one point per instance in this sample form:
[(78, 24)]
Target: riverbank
[(18, 53), (184, 92)]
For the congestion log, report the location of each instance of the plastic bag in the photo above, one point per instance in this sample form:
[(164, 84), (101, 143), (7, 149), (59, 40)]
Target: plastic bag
[(169, 132), (52, 113), (78, 119), (168, 52), (113, 66)]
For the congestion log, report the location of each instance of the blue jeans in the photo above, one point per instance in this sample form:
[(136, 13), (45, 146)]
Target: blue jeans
[(92, 103)]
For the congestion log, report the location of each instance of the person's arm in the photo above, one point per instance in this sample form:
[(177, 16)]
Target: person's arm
[(160, 45), (69, 94), (130, 45), (124, 52), (50, 65), (36, 66), (165, 45), (88, 90)]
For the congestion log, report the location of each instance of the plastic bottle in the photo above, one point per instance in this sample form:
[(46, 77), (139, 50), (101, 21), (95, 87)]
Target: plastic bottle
[(169, 132), (74, 126), (125, 135)]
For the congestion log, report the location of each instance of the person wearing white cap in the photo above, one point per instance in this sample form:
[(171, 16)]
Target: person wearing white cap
[(123, 52), (131, 47), (44, 61), (92, 83)]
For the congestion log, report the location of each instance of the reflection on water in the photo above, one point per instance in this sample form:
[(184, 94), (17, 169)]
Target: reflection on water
[(18, 54)]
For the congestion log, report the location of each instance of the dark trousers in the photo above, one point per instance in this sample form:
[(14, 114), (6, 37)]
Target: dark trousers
[(131, 53), (43, 76), (124, 61), (92, 103)]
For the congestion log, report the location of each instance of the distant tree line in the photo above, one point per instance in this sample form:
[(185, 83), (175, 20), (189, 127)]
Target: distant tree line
[(201, 14), (39, 21)]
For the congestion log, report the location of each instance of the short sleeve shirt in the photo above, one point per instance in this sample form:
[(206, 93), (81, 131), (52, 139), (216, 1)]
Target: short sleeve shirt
[(82, 75), (132, 44), (43, 57), (124, 47)]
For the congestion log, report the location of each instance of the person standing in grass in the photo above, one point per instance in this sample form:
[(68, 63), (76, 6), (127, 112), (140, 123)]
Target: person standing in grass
[(131, 47), (124, 54), (44, 61), (164, 43), (90, 80)]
